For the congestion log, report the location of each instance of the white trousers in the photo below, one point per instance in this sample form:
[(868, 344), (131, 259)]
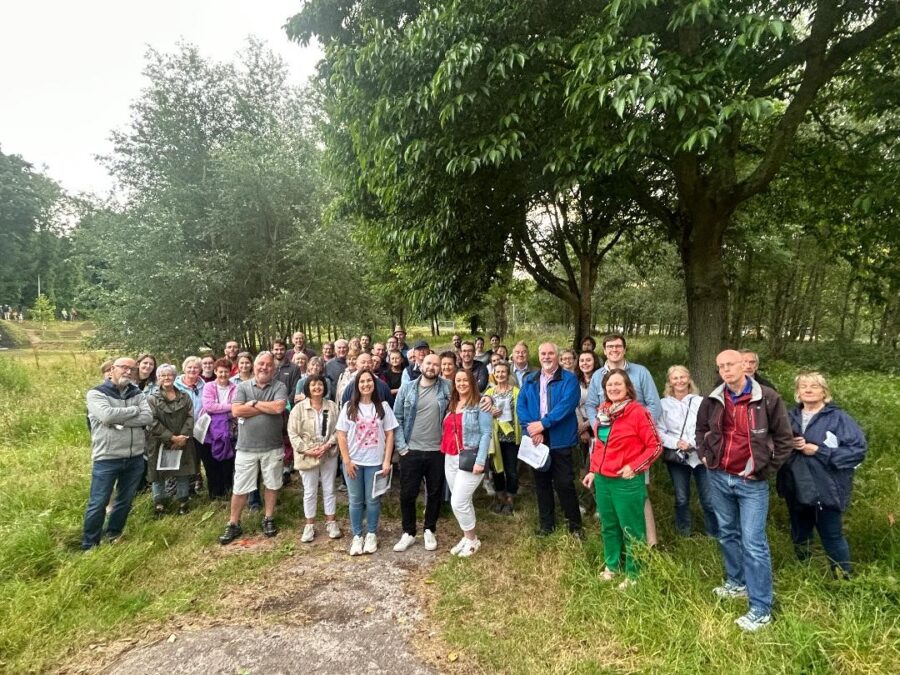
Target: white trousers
[(325, 472), (462, 486)]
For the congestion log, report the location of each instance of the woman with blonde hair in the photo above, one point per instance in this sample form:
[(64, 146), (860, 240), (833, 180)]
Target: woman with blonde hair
[(817, 479), (676, 427)]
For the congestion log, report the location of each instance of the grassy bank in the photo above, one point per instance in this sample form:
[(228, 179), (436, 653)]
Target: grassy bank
[(526, 605), (55, 600)]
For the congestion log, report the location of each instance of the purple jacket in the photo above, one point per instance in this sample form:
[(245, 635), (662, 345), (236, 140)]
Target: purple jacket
[(219, 436)]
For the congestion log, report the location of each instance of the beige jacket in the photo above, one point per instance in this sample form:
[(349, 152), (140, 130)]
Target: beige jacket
[(303, 433)]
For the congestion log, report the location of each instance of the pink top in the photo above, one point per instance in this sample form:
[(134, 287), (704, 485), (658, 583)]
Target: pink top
[(211, 403)]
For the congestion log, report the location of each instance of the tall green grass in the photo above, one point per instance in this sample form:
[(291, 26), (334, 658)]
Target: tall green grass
[(526, 605), (54, 599)]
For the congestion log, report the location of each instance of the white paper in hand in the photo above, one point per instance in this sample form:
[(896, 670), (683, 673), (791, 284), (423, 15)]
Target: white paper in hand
[(382, 483), (533, 455)]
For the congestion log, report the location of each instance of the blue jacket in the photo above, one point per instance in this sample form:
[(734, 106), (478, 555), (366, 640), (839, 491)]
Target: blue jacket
[(477, 431), (826, 478), (560, 422), (644, 387), (405, 408)]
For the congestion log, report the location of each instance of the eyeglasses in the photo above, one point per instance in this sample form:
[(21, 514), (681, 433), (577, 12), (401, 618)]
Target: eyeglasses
[(126, 368)]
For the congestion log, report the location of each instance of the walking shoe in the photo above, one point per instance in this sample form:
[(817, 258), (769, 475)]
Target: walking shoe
[(752, 621), (459, 547), (231, 533), (341, 488), (607, 574), (356, 546), (489, 488), (405, 542), (159, 510), (507, 510), (371, 544), (183, 508), (309, 533), (471, 546), (333, 529), (577, 533), (730, 590), (269, 527), (497, 507), (626, 584), (430, 541)]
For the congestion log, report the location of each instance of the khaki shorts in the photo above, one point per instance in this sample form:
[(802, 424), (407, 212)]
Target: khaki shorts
[(269, 462)]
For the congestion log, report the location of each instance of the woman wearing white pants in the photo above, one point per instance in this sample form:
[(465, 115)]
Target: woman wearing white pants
[(311, 428), (466, 433)]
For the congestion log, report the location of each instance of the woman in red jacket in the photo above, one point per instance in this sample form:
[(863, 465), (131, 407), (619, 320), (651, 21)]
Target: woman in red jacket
[(625, 446)]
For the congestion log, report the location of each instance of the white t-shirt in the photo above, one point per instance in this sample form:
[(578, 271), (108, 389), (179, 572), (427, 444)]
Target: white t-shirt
[(365, 436)]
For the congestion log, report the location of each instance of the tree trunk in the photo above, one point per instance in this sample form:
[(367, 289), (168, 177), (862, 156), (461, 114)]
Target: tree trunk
[(706, 294)]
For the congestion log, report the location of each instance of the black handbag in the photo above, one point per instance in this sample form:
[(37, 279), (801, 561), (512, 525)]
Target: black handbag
[(673, 454), (466, 457)]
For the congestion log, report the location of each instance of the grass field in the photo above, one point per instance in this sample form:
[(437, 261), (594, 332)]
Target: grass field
[(522, 605)]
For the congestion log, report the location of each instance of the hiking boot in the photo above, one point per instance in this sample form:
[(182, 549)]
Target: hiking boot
[(752, 621), (333, 530), (309, 533), (269, 528), (405, 542), (232, 532), (730, 590)]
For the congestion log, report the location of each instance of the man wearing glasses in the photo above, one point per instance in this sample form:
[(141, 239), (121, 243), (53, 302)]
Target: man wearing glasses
[(118, 411)]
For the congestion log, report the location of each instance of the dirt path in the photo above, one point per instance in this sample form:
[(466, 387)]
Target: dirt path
[(319, 611)]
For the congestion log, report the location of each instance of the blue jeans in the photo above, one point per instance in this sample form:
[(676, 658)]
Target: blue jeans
[(681, 481), (829, 523), (359, 494), (123, 475), (742, 507)]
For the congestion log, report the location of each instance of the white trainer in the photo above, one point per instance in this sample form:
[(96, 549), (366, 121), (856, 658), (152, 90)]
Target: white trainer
[(405, 542), (471, 547), (459, 547), (309, 533), (430, 541), (371, 544), (333, 529), (356, 547)]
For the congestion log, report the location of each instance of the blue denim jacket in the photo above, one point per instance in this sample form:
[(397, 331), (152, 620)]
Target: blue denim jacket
[(477, 430), (405, 408)]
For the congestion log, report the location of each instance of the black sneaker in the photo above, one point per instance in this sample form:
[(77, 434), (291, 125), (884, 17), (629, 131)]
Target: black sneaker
[(269, 527), (183, 508), (231, 533), (507, 510)]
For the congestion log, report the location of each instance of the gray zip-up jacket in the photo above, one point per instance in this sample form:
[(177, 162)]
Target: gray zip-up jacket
[(117, 421)]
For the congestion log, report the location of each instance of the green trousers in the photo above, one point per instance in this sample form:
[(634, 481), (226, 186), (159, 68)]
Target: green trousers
[(620, 504)]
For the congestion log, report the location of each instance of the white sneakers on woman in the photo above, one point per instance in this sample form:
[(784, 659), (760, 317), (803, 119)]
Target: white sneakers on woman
[(430, 541), (356, 546), (466, 547), (333, 529), (371, 544), (309, 533), (405, 542)]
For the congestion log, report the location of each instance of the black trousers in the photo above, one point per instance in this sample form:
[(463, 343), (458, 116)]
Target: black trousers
[(561, 478), (414, 466), (219, 475)]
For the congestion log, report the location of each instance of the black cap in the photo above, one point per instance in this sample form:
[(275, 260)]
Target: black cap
[(421, 344)]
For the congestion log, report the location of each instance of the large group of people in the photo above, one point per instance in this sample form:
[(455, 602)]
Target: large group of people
[(366, 411)]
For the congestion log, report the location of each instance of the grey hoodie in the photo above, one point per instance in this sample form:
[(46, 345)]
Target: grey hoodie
[(117, 421)]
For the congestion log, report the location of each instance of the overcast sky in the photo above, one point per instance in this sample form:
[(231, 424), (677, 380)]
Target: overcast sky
[(70, 69)]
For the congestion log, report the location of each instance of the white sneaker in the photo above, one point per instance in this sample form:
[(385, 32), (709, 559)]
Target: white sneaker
[(356, 547), (405, 542), (430, 541), (309, 533), (459, 547), (470, 547), (489, 488), (333, 529), (371, 543)]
